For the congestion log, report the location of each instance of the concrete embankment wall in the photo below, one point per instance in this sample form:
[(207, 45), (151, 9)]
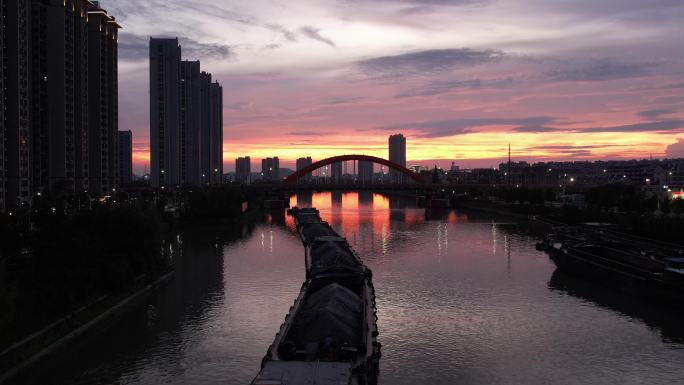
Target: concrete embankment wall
[(66, 332)]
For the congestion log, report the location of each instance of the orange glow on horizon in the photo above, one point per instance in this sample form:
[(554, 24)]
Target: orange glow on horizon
[(474, 146)]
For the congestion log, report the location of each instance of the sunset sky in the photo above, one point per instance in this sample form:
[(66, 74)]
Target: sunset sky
[(557, 79)]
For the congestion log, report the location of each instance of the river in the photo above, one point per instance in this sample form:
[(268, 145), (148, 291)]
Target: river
[(463, 298)]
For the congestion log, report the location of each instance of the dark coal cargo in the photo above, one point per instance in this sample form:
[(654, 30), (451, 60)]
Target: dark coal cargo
[(329, 337)]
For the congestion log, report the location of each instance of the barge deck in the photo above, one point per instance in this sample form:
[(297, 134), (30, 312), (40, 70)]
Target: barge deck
[(329, 336)]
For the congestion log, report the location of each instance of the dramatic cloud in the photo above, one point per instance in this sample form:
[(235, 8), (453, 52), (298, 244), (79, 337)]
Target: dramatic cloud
[(674, 86), (315, 33), (655, 114), (437, 88), (427, 62), (438, 2), (535, 124), (597, 70), (310, 133), (286, 33), (675, 150), (236, 106), (661, 126), (572, 147), (344, 100), (324, 73), (136, 47), (445, 128)]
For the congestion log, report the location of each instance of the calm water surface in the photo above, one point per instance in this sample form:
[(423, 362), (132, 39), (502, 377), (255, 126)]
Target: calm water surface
[(463, 298)]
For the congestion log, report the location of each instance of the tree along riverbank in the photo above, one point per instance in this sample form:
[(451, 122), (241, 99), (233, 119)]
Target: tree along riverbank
[(59, 259), (633, 211)]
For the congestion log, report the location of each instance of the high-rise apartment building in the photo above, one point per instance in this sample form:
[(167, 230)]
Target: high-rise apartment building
[(17, 81), (336, 172), (125, 157), (212, 129), (3, 102), (270, 169), (103, 112), (397, 154), (303, 163), (190, 123), (186, 119), (243, 169), (365, 170), (165, 58), (58, 119)]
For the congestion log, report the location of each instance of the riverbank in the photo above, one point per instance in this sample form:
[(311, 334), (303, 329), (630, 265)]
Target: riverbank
[(497, 210), (664, 228), (212, 322), (69, 331)]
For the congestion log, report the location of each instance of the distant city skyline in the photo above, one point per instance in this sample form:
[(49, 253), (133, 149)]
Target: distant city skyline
[(460, 79)]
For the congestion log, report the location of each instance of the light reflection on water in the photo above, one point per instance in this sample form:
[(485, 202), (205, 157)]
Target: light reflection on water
[(463, 298)]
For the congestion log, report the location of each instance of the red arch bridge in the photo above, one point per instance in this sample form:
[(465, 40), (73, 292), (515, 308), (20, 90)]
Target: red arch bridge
[(293, 178)]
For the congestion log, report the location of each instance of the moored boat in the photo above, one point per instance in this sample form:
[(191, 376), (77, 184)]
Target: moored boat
[(597, 252)]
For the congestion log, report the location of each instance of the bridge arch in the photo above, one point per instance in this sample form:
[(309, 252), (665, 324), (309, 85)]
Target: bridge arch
[(293, 178)]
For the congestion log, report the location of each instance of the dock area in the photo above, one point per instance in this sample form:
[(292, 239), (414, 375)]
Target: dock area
[(598, 250)]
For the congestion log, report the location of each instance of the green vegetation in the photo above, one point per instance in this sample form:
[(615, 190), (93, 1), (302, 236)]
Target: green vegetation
[(68, 251), (535, 196), (621, 197), (68, 260), (218, 203), (635, 211)]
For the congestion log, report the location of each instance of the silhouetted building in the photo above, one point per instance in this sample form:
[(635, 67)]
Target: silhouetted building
[(59, 98), (302, 163), (125, 157), (186, 119), (243, 169), (190, 123), (270, 169), (397, 154), (165, 58), (211, 149), (336, 172), (103, 110), (365, 172), (3, 107)]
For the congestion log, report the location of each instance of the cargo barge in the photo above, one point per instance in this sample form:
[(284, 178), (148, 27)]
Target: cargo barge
[(330, 334), (600, 252)]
